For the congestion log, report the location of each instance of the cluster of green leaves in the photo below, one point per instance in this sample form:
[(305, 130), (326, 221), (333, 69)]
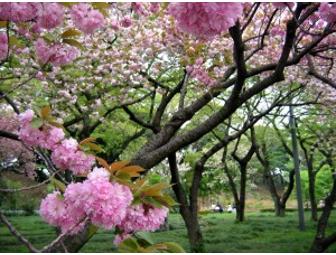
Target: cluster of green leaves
[(44, 118), (141, 242)]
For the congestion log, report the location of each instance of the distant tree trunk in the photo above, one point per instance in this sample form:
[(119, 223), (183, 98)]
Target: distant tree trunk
[(279, 200), (309, 158), (232, 185), (280, 209), (311, 181), (321, 242), (240, 216)]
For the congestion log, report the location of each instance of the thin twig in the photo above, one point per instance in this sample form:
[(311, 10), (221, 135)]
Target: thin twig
[(61, 236), (30, 187), (17, 234)]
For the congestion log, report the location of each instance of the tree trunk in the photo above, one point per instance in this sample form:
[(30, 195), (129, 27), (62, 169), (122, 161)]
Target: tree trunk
[(280, 208), (188, 213), (312, 197), (194, 233), (321, 243), (240, 216)]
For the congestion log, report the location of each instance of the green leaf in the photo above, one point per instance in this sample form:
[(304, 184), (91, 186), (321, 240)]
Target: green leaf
[(74, 43), (123, 175), (173, 247), (152, 201), (15, 41), (101, 7), (3, 23), (68, 4), (92, 230), (129, 245), (94, 147), (59, 185), (37, 123), (71, 32), (144, 238), (166, 200)]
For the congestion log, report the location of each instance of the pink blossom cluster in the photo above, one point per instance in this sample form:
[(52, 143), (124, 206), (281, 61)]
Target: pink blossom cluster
[(29, 135), (327, 12), (139, 9), (86, 18), (154, 7), (105, 203), (126, 22), (282, 5), (205, 20), (198, 72), (3, 46), (19, 12), (66, 155), (141, 218), (65, 152), (50, 15), (57, 54), (43, 15)]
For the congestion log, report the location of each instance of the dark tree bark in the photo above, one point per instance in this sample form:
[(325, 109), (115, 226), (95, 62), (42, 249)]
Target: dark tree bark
[(311, 188), (309, 158), (242, 162), (321, 242), (187, 210)]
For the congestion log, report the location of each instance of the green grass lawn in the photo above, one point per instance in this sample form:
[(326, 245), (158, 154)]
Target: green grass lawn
[(262, 232)]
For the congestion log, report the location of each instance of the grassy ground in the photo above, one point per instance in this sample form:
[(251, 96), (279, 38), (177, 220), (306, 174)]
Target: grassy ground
[(262, 232)]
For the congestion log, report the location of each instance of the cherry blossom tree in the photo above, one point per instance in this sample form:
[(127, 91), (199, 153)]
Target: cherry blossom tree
[(159, 65)]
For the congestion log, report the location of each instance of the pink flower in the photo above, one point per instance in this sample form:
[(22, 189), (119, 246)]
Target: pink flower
[(55, 211), (50, 15), (54, 136), (283, 5), (63, 54), (57, 54), (143, 218), (327, 12), (66, 155), (154, 7), (108, 203), (43, 50), (63, 154), (81, 163), (3, 46), (205, 20), (86, 19), (31, 136), (138, 9), (114, 25), (26, 117), (105, 203), (99, 173), (18, 12), (52, 208), (126, 22)]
